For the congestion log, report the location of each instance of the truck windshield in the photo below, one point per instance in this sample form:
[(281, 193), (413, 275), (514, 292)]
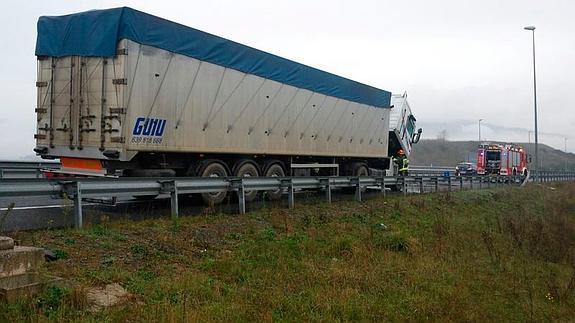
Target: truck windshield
[(493, 155), (410, 125)]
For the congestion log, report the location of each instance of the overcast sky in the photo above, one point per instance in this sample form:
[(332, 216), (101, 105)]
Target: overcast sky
[(458, 60)]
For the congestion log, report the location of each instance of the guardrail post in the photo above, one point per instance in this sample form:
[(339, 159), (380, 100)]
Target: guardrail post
[(421, 191), (74, 190), (242, 197), (287, 182), (238, 184), (78, 216), (382, 187), (174, 202), (460, 183), (471, 181), (404, 185), (327, 185), (172, 188), (356, 182), (449, 183), (436, 185)]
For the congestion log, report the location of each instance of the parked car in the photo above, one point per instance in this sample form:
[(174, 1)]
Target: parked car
[(465, 168)]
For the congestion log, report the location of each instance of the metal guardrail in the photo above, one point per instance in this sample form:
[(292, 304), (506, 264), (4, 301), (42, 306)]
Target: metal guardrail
[(89, 188), (84, 189), (431, 170), (25, 169)]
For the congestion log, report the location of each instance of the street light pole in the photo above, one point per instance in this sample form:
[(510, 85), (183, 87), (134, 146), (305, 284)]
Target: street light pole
[(532, 29), (565, 153), (480, 130)]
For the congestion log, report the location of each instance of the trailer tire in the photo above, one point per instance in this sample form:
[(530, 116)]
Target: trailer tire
[(360, 169), (247, 168), (357, 170), (213, 168), (274, 170)]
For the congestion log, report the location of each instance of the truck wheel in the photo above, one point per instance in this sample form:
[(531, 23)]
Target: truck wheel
[(357, 169), (275, 170), (361, 170), (247, 169), (214, 169)]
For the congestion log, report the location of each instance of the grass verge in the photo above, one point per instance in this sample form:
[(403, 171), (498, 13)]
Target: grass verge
[(483, 255)]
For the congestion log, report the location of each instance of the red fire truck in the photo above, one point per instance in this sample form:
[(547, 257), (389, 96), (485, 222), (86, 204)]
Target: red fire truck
[(501, 159)]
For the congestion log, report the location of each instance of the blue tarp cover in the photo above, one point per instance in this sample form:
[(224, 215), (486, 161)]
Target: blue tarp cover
[(97, 32)]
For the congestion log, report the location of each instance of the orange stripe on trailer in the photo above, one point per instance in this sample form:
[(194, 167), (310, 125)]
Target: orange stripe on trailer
[(80, 163)]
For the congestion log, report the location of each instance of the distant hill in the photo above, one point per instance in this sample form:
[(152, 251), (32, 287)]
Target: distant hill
[(449, 153)]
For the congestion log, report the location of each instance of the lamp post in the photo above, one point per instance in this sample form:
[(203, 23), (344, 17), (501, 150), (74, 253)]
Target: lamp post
[(480, 130), (532, 29), (565, 153)]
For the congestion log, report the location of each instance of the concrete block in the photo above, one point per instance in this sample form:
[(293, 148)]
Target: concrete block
[(16, 287), (6, 243), (20, 260)]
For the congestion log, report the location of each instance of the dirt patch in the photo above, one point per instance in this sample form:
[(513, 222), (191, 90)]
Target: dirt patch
[(109, 295)]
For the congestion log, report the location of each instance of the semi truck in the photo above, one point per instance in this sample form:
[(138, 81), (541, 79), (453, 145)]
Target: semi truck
[(124, 93)]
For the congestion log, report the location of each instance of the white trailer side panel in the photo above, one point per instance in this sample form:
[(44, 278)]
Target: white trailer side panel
[(209, 108)]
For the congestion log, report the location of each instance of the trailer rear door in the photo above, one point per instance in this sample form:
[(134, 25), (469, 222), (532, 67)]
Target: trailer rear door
[(80, 104)]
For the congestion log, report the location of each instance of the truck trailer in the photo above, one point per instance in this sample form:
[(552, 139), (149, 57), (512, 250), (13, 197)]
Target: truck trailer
[(124, 93)]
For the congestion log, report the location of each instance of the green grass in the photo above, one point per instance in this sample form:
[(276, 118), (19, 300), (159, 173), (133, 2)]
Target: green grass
[(491, 255)]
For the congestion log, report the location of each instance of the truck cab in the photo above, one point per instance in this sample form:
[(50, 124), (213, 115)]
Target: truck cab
[(402, 125)]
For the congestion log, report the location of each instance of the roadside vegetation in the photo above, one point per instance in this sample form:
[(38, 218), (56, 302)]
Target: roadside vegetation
[(504, 254)]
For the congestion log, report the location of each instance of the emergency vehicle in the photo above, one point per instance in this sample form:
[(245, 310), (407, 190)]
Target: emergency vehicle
[(501, 159)]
